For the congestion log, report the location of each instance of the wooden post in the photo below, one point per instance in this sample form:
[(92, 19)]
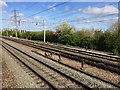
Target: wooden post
[(45, 54), (59, 57), (82, 64), (50, 54)]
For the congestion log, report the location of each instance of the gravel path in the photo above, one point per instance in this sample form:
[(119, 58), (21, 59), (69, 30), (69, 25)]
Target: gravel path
[(88, 68)]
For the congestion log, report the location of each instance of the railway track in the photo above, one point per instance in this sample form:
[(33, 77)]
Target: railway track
[(78, 69), (36, 82), (69, 73), (29, 69), (80, 51), (84, 52), (113, 67), (52, 77)]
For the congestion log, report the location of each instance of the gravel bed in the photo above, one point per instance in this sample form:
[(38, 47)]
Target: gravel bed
[(79, 54), (107, 75), (83, 53), (21, 78), (56, 79), (91, 82), (9, 80)]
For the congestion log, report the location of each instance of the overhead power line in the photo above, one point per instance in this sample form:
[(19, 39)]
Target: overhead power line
[(93, 17), (47, 9), (75, 12), (30, 6)]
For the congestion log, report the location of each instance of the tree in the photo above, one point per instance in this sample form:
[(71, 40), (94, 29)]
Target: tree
[(116, 37), (85, 38), (66, 34), (68, 39), (50, 36), (64, 28), (88, 42)]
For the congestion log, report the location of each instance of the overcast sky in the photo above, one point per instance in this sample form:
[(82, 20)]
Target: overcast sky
[(99, 15)]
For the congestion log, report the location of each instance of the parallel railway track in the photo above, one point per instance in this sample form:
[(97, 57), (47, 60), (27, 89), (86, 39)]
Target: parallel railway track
[(80, 51), (73, 76), (113, 67), (54, 78), (89, 53), (79, 70), (29, 68)]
